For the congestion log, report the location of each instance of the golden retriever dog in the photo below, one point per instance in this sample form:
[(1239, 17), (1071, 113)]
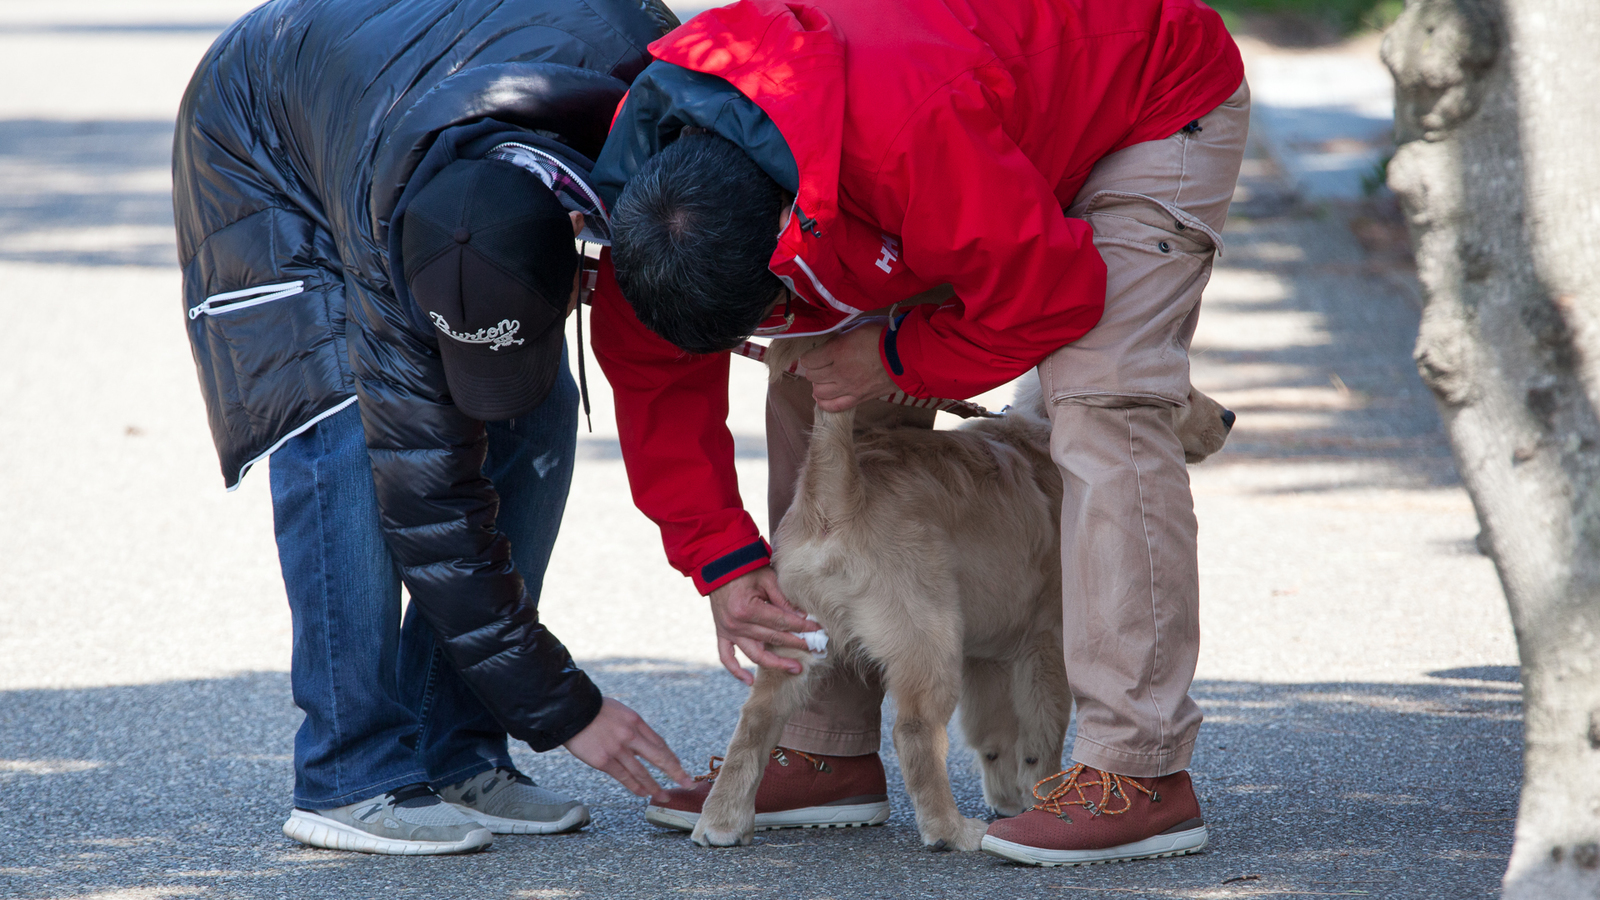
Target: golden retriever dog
[(935, 557)]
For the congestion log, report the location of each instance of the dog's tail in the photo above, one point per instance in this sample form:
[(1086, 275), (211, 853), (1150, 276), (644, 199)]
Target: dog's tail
[(830, 486)]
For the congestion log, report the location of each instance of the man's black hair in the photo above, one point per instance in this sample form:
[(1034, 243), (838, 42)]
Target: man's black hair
[(692, 235)]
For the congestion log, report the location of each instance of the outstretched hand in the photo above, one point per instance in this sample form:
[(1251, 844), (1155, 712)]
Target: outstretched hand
[(616, 742), (751, 613), (847, 370)]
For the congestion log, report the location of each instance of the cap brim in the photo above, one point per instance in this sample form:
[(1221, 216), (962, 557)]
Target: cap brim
[(495, 387)]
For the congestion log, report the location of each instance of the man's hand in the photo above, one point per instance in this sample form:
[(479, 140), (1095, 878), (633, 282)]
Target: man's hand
[(846, 370), (615, 742), (751, 612)]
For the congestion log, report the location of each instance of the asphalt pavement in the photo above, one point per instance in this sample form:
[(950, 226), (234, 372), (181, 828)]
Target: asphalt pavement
[(1358, 671)]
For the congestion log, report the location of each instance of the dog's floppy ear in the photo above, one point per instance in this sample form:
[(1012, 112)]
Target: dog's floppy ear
[(1202, 425)]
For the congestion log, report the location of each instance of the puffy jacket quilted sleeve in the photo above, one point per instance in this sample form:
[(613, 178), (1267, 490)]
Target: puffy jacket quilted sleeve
[(438, 514)]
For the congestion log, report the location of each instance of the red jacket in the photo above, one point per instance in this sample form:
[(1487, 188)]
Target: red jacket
[(935, 141)]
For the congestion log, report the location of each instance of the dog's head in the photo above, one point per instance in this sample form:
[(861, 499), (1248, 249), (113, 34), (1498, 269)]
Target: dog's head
[(1202, 425)]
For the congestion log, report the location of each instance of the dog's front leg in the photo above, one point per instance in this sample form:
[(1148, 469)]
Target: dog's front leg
[(729, 815)]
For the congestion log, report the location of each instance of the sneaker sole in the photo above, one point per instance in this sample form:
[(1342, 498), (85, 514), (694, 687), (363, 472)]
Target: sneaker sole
[(852, 816), (1178, 843), (576, 818), (319, 831)]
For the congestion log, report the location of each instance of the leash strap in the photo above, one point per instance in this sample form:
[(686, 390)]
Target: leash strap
[(966, 409), (587, 278)]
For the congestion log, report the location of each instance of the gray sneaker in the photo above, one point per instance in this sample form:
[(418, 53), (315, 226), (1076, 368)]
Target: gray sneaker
[(508, 802), (407, 821)]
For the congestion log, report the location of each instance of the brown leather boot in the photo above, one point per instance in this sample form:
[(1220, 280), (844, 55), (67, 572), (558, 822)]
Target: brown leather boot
[(798, 790), (1092, 816)]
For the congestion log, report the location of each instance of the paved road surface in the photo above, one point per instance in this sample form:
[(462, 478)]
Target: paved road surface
[(1358, 670)]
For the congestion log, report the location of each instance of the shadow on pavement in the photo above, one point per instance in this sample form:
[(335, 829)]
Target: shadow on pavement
[(179, 789), (113, 28), (87, 193), (1309, 341)]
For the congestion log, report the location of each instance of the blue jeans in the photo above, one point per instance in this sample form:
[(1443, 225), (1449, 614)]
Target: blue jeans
[(383, 706)]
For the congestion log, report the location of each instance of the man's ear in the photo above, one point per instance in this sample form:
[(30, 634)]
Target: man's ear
[(577, 221)]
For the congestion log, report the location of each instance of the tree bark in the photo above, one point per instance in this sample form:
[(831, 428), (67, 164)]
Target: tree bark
[(1497, 110)]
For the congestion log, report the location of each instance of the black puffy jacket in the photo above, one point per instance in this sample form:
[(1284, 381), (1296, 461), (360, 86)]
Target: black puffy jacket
[(305, 128)]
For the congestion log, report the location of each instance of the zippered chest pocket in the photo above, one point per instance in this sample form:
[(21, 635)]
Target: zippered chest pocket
[(233, 301)]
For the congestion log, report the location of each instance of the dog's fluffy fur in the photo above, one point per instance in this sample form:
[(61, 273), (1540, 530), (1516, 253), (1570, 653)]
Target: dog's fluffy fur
[(934, 556)]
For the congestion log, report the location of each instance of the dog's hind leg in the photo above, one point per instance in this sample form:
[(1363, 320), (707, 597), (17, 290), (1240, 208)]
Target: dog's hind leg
[(989, 720), (1043, 703), (729, 814), (925, 688)]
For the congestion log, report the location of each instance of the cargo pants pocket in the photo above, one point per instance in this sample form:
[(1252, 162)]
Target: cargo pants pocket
[(1158, 260)]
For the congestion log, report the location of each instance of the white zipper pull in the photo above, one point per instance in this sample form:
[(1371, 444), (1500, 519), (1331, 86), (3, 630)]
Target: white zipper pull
[(252, 296)]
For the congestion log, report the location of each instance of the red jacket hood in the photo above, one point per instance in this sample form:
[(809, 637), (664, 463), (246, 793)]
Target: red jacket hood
[(788, 60)]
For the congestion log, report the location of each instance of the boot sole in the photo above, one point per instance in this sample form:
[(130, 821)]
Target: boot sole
[(576, 818), (853, 816), (1178, 843), (325, 833)]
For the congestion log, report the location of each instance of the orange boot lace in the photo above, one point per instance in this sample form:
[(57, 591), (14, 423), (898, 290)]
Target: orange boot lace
[(778, 753), (1070, 792)]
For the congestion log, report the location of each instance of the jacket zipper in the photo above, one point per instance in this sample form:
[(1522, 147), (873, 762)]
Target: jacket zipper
[(554, 160), (217, 304), (808, 224)]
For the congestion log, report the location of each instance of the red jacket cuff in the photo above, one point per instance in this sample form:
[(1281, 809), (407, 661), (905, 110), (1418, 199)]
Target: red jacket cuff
[(729, 566), (889, 351)]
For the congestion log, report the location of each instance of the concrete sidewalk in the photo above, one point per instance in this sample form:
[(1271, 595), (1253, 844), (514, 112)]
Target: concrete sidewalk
[(1326, 115), (1363, 717)]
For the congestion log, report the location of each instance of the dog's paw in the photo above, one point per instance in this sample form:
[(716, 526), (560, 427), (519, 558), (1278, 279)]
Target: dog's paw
[(972, 832), (707, 835), (967, 836)]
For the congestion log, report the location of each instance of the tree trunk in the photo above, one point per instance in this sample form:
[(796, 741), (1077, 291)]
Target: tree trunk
[(1497, 116)]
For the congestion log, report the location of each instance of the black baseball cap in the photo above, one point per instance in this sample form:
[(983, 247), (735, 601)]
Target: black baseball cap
[(488, 255)]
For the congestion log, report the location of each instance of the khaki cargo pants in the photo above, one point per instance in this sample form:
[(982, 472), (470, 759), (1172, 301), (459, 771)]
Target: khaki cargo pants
[(1130, 585)]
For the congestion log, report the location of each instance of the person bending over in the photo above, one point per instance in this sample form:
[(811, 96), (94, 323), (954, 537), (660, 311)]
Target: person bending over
[(1017, 186), (375, 204)]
